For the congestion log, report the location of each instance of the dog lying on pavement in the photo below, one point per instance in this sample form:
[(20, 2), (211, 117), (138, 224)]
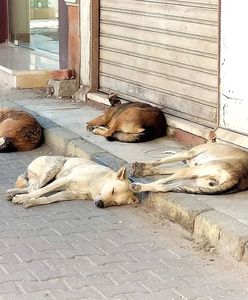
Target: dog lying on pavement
[(19, 131), (211, 169), (71, 178), (129, 122)]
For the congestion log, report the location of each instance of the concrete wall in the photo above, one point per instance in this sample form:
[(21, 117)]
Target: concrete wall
[(234, 65)]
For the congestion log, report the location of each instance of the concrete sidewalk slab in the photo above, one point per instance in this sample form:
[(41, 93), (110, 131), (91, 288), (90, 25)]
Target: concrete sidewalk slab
[(221, 220)]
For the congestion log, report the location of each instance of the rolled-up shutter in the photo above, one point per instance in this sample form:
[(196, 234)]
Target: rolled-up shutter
[(162, 52)]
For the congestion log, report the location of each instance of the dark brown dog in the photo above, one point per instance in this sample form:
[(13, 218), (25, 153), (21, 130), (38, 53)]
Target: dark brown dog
[(129, 122), (19, 131)]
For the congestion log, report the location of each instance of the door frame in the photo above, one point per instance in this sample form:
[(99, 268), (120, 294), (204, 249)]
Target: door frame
[(89, 24)]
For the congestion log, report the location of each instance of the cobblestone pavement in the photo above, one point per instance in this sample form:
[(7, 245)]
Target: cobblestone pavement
[(72, 250)]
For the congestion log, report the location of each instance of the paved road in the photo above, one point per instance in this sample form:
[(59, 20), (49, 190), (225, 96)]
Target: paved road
[(72, 250)]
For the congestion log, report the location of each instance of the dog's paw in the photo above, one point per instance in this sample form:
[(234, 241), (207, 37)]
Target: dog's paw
[(19, 199), (96, 131), (9, 195), (137, 169), (28, 203), (89, 127), (135, 187), (100, 130)]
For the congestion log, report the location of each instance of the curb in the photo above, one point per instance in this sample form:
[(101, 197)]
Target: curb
[(226, 234)]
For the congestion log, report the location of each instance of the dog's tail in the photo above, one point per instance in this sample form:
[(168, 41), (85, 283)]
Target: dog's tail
[(22, 181), (144, 136), (211, 190)]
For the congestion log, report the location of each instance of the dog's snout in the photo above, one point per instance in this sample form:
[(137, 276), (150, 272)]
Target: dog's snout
[(99, 203)]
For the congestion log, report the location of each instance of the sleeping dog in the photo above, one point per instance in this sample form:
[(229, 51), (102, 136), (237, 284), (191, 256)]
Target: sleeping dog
[(129, 122), (69, 178), (19, 131), (211, 169)]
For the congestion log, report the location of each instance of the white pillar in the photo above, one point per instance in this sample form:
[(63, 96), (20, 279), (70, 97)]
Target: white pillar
[(234, 65), (89, 24)]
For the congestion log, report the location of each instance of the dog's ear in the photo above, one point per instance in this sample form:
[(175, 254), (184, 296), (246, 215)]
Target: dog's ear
[(212, 136), (113, 99), (122, 173)]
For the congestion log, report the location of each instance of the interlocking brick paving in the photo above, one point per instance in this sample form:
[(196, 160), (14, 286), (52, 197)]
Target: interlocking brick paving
[(72, 250)]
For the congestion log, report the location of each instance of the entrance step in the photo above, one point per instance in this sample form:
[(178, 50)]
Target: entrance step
[(25, 79), (26, 68)]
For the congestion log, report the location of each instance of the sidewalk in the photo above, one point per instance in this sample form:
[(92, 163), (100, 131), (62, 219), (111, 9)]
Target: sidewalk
[(66, 251), (222, 220)]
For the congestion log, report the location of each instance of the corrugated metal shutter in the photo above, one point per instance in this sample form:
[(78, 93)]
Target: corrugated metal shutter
[(162, 52)]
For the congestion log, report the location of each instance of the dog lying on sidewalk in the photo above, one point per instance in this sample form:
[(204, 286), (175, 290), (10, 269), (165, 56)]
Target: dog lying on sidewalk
[(211, 169), (19, 131), (71, 178), (129, 122)]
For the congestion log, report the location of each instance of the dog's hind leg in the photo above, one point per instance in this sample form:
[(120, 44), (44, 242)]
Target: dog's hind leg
[(153, 171), (209, 189), (180, 156), (99, 121), (60, 196), (100, 130), (52, 169)]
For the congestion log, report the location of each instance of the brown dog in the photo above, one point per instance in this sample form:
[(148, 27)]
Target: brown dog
[(212, 169), (19, 131), (129, 122)]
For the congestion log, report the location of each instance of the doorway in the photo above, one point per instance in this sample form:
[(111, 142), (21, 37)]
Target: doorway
[(34, 24)]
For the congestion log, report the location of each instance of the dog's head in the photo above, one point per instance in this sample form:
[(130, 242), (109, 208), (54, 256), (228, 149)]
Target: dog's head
[(116, 192), (114, 100), (6, 145)]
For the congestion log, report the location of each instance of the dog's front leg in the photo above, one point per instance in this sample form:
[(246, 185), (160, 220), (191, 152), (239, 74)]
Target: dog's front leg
[(108, 132), (60, 196), (99, 121), (42, 191), (16, 191), (138, 172), (156, 186), (100, 130)]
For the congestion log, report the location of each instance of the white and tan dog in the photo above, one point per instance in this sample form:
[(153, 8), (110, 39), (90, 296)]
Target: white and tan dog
[(71, 178), (211, 169)]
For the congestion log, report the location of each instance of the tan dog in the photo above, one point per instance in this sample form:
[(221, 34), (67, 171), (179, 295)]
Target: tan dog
[(19, 131), (129, 122), (212, 169), (69, 179)]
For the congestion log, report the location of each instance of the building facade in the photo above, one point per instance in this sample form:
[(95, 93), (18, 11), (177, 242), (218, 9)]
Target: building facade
[(186, 57), (173, 54)]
